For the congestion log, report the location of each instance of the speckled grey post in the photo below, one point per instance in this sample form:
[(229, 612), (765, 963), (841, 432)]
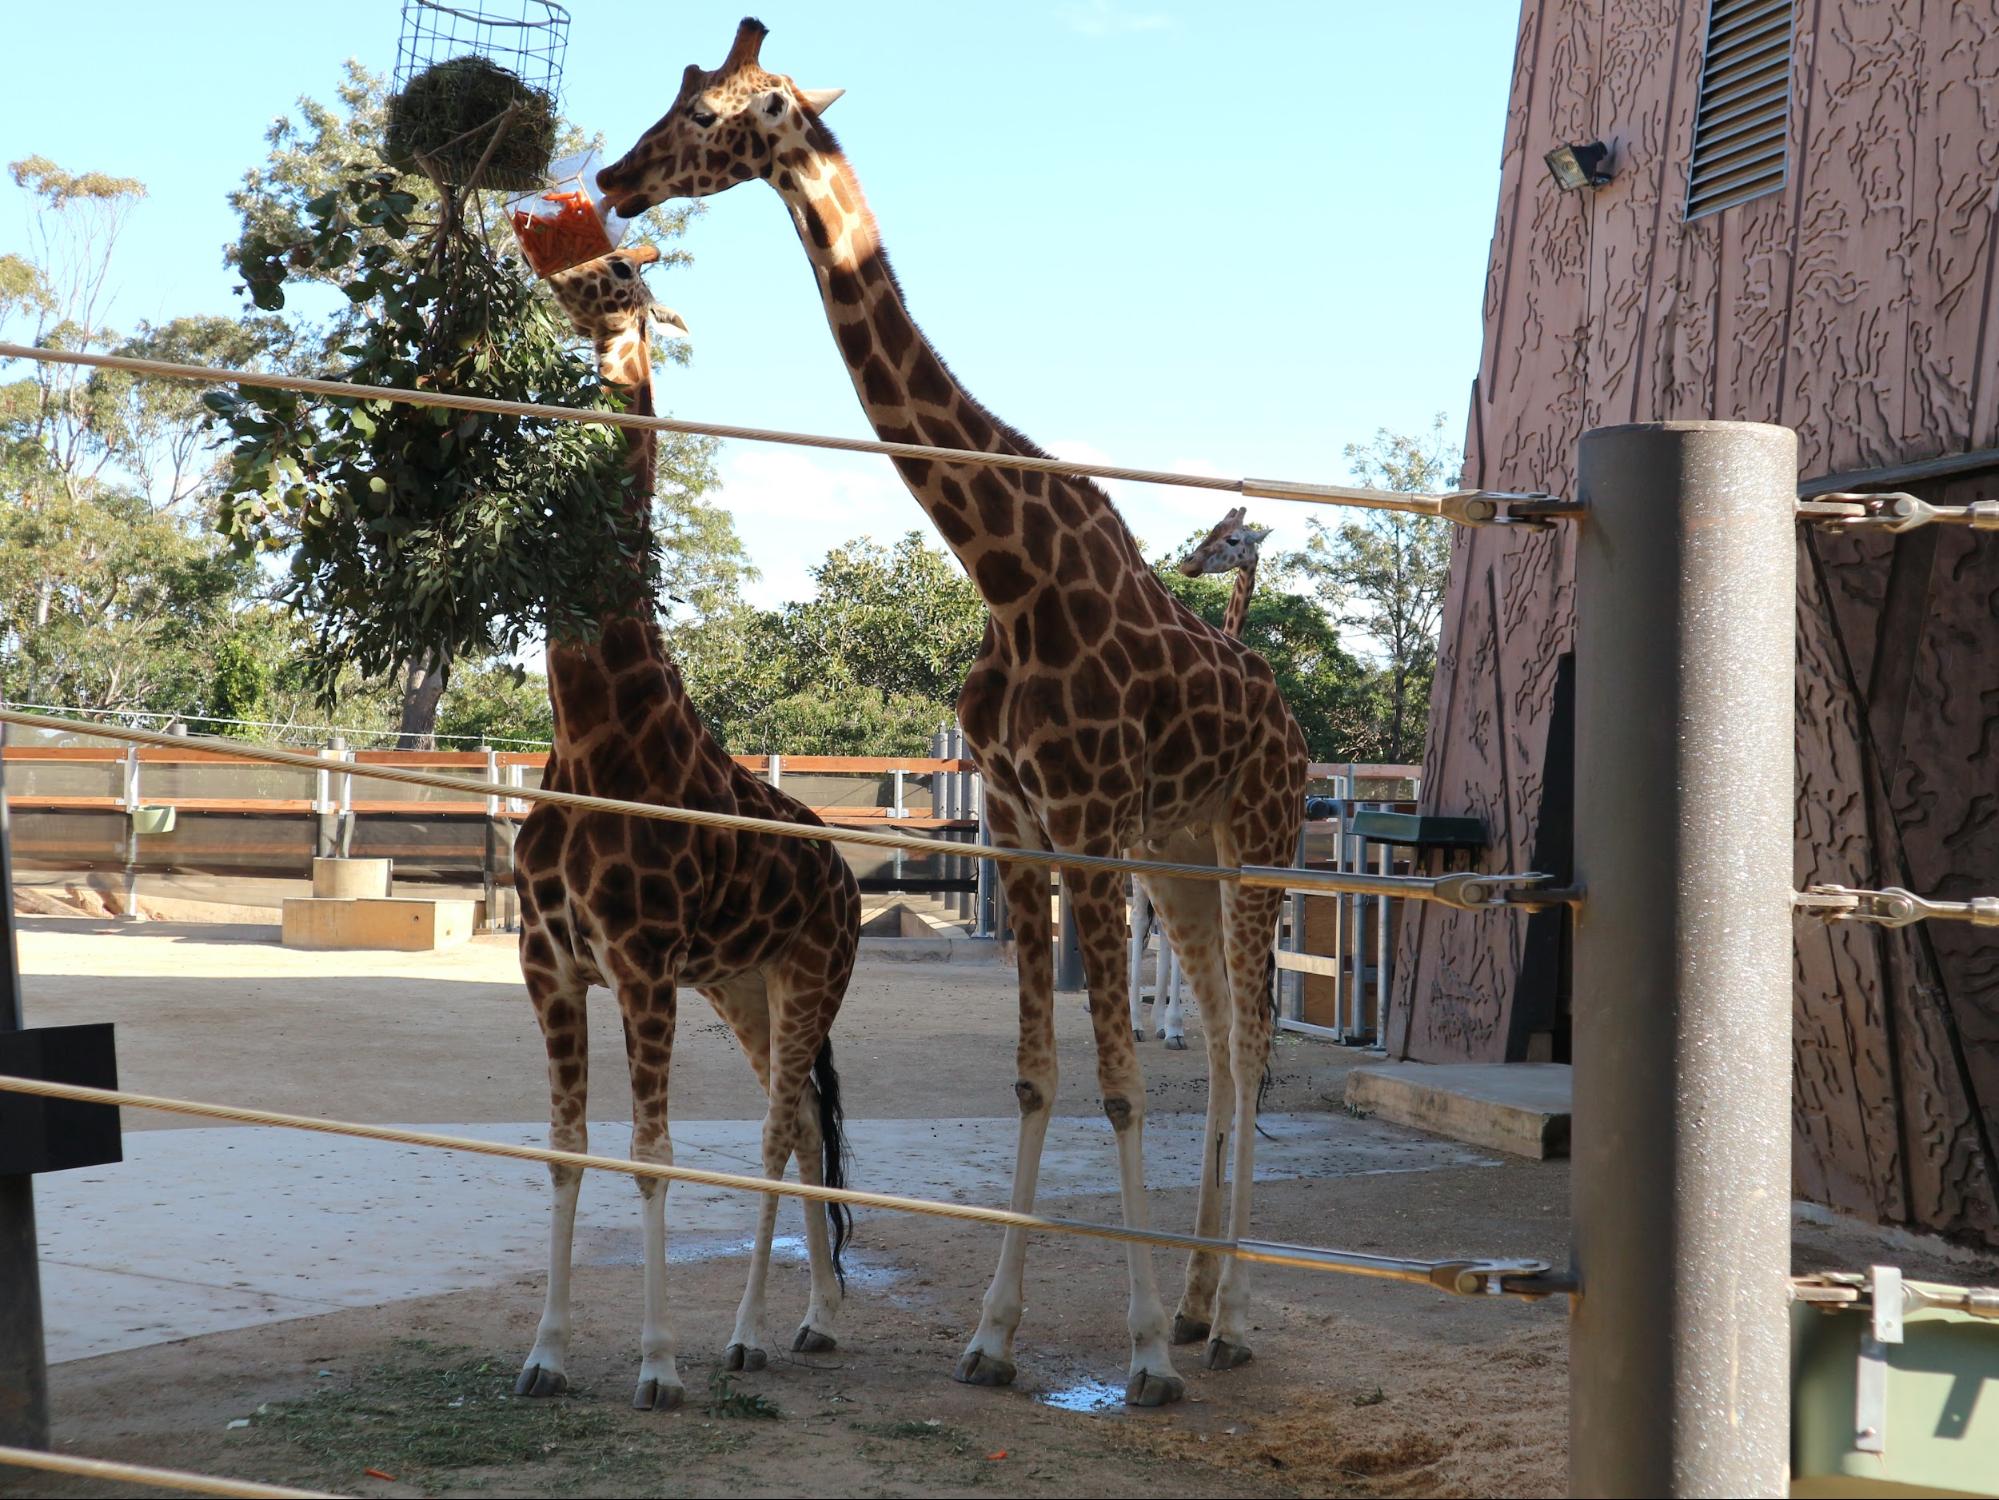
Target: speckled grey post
[(1685, 637)]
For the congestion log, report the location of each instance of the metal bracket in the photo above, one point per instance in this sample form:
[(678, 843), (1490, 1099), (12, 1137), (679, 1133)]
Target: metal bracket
[(1894, 907), (1870, 1385), (1895, 513), (1468, 891), (1506, 508)]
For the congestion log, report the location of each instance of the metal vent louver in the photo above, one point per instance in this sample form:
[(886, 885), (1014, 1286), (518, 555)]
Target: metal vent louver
[(1742, 127)]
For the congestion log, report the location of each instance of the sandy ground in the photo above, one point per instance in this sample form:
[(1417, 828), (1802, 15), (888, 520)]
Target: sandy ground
[(1358, 1387)]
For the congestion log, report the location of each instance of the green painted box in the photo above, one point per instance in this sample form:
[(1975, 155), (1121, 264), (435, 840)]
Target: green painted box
[(1937, 1400)]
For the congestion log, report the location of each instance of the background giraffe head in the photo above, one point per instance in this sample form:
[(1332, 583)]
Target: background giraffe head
[(1229, 546), (611, 305), (725, 127)]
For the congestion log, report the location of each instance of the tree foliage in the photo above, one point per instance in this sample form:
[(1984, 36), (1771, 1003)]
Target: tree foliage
[(415, 531), (1383, 576), (418, 537), (110, 595), (871, 664)]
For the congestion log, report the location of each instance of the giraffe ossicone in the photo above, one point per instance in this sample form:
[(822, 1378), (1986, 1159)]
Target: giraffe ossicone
[(764, 927), (1103, 716)]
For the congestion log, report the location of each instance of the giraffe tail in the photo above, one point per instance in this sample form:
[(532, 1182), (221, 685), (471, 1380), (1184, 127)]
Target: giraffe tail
[(1270, 998), (833, 1130)]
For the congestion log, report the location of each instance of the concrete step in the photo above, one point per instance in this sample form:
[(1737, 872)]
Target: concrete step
[(1522, 1108)]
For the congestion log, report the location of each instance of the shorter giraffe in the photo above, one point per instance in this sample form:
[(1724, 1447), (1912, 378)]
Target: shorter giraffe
[(764, 926), (1231, 545)]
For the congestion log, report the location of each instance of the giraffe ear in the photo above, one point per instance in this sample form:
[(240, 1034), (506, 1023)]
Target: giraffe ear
[(818, 101)]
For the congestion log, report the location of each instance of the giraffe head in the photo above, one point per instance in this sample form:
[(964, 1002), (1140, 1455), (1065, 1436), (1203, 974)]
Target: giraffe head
[(608, 301), (1229, 546), (725, 127)]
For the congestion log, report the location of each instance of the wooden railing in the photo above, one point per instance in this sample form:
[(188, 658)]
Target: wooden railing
[(509, 765)]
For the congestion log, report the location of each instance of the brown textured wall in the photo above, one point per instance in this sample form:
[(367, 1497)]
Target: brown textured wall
[(1856, 304)]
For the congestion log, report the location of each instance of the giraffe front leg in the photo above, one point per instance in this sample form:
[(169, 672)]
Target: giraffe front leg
[(649, 1015), (988, 1358), (559, 1008), (1152, 1380)]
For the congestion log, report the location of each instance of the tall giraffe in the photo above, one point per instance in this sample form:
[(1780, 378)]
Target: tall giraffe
[(1103, 716), (1230, 545), (765, 927)]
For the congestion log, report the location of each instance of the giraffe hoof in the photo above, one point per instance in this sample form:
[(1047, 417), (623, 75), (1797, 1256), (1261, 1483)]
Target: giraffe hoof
[(537, 1380), (1222, 1355), (1138, 1033), (811, 1341), (1188, 1330), (978, 1368), (654, 1395), (745, 1357), (1147, 1389), (1176, 1044)]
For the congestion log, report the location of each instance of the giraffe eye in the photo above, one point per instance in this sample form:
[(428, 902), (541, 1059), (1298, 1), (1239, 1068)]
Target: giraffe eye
[(622, 269), (703, 118)]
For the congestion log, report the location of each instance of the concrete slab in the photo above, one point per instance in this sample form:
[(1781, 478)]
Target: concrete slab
[(1518, 1107), (207, 1229)]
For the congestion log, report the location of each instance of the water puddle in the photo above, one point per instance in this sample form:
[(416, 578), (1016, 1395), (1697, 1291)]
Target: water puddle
[(1083, 1395)]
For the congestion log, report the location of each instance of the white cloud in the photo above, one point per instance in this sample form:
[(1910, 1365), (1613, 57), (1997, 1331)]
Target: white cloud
[(1099, 18), (793, 506)]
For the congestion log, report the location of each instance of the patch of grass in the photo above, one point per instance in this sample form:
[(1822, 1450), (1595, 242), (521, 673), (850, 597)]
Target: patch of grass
[(910, 1430), (724, 1400), (1372, 1398), (418, 1413)]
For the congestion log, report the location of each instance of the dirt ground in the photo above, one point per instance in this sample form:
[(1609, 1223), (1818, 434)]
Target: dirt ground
[(1358, 1387)]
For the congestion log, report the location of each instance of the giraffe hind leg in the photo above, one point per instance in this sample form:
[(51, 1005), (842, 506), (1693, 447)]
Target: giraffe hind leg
[(649, 1011), (1099, 907), (1191, 914)]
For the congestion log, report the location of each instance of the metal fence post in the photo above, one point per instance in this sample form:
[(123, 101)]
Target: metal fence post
[(490, 864), (344, 843), (24, 1375), (1068, 942), (131, 911), (1685, 638)]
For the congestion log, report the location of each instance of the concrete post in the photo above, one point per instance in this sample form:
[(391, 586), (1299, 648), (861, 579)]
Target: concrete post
[(1685, 638)]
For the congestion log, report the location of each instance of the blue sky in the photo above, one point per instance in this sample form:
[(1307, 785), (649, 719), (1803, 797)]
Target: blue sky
[(1227, 237)]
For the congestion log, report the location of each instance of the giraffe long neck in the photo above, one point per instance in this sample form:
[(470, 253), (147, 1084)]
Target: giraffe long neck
[(591, 683), (1238, 611), (1012, 530)]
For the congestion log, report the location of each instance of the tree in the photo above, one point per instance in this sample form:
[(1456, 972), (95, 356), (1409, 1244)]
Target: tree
[(904, 620), (107, 600), (1384, 575), (870, 665), (499, 704), (484, 531)]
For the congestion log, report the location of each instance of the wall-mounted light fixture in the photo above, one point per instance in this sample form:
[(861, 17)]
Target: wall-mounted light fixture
[(1580, 166)]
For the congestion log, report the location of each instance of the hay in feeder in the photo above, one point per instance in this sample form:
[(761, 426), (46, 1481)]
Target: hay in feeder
[(443, 121)]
